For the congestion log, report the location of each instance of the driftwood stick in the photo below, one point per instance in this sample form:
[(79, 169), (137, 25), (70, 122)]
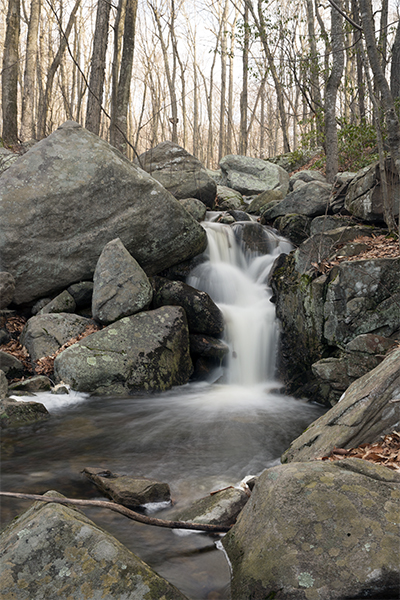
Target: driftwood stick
[(131, 514)]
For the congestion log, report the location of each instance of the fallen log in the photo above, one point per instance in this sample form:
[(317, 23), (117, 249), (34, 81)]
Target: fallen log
[(131, 514)]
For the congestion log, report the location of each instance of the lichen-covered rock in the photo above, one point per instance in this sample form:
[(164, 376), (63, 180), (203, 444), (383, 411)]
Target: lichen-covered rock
[(68, 196), (306, 176), (294, 227), (220, 508), (120, 286), (229, 199), (40, 383), (318, 531), (7, 287), (129, 491), (56, 552), (202, 313), (10, 365), (195, 207), (329, 222), (148, 351), (15, 413), (181, 173), (45, 334), (365, 412), (63, 303), (251, 176), (3, 385), (310, 200), (263, 200)]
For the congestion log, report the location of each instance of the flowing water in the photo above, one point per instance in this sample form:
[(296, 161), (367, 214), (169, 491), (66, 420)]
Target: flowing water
[(198, 438)]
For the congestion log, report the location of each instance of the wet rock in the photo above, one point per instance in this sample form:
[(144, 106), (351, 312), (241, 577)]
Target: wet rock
[(120, 286), (181, 271), (255, 237), (15, 413), (229, 199), (264, 200), (251, 176), (57, 552), (181, 173), (45, 334), (365, 412), (10, 365), (220, 508), (202, 313), (129, 491), (195, 207), (310, 200), (239, 215), (63, 177), (3, 385), (226, 219), (60, 388), (63, 303), (148, 351), (7, 287), (208, 347), (318, 530), (40, 383), (295, 228)]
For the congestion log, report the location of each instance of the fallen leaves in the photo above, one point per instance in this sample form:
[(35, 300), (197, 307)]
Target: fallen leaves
[(385, 452), (14, 348)]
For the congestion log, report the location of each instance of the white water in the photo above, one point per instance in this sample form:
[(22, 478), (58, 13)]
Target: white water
[(235, 278)]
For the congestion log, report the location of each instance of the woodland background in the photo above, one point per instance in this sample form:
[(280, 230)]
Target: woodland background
[(218, 77)]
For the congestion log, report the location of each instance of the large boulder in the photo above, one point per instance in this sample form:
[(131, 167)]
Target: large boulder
[(69, 195), (251, 176), (54, 552), (45, 334), (310, 200), (179, 172), (120, 286), (15, 413), (306, 175), (148, 351), (366, 411), (318, 531), (7, 287)]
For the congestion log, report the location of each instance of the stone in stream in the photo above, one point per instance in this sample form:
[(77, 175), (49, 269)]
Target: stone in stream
[(40, 383), (148, 351), (15, 413), (55, 552), (318, 531), (129, 491), (68, 196)]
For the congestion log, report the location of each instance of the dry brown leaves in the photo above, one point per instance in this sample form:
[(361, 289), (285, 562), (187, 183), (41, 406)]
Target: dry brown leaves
[(14, 348), (15, 324), (385, 452), (45, 365), (378, 246)]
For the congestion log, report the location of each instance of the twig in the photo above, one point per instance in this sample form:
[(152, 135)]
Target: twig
[(123, 511)]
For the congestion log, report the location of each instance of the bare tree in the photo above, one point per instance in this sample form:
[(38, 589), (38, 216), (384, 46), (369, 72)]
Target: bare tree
[(9, 76), (28, 124)]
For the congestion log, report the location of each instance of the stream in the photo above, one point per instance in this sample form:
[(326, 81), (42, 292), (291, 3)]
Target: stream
[(199, 437)]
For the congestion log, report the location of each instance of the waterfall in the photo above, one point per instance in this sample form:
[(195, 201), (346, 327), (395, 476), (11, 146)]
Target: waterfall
[(235, 277)]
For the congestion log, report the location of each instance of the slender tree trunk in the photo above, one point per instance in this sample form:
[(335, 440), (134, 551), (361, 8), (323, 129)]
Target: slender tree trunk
[(332, 86), (9, 79), (245, 79), (53, 69), (316, 99), (359, 63), (28, 128), (395, 66), (222, 106), (96, 82)]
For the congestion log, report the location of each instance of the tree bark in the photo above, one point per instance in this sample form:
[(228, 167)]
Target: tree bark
[(332, 86), (9, 79), (28, 128), (96, 82), (395, 66), (245, 77), (222, 106)]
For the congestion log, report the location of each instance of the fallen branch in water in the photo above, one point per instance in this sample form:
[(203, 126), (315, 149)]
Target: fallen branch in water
[(131, 514)]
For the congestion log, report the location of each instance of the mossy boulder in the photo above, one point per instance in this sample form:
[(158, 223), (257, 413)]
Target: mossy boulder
[(15, 413)]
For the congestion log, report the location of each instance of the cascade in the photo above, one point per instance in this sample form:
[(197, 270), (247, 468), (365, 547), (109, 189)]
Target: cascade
[(236, 279)]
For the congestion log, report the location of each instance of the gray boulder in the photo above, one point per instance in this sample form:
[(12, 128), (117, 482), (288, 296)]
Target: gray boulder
[(45, 334), (120, 286), (251, 176), (181, 173), (366, 411), (10, 365), (40, 383), (203, 315), (82, 293), (265, 199), (129, 491), (7, 287), (220, 508), (62, 303), (195, 207), (310, 200), (306, 176), (295, 228), (328, 222), (229, 199), (207, 347), (318, 531), (15, 413), (148, 351), (6, 159), (364, 198), (3, 385), (59, 553), (72, 193)]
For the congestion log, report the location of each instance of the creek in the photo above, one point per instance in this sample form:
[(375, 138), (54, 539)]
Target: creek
[(199, 437)]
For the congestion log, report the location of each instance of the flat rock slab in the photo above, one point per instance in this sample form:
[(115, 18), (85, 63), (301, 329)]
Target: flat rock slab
[(15, 413), (129, 491), (365, 413), (55, 552), (220, 508), (317, 531)]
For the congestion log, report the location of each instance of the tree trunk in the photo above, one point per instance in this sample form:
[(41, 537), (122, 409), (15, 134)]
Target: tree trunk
[(96, 82), (9, 80), (332, 86), (245, 77), (395, 66), (28, 128), (222, 133)]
